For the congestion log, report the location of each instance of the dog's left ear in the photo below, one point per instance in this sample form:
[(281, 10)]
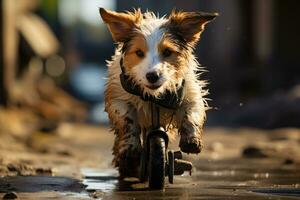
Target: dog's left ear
[(189, 25)]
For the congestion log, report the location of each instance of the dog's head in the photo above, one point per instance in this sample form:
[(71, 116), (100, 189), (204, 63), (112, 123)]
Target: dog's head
[(156, 51)]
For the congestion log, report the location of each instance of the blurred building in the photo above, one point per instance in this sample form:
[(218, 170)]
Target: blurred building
[(250, 50)]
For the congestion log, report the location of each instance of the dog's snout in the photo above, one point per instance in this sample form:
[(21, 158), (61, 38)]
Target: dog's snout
[(152, 77)]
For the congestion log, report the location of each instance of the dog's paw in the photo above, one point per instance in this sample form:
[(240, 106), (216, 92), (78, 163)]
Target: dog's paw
[(190, 144)]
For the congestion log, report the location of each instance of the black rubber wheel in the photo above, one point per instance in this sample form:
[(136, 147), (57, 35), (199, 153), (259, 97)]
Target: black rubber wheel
[(157, 164)]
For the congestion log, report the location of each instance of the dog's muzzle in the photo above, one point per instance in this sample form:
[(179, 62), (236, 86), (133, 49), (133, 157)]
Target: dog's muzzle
[(170, 100)]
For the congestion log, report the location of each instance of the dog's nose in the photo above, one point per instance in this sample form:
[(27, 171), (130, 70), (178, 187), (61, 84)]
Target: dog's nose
[(152, 77)]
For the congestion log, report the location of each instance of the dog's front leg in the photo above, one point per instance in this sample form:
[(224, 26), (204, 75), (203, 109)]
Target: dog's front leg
[(127, 146), (192, 117)]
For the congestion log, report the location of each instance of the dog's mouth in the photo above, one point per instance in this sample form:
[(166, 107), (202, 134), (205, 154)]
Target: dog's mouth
[(154, 86)]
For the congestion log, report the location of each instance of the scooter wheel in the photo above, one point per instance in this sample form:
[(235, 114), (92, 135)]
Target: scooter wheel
[(157, 164)]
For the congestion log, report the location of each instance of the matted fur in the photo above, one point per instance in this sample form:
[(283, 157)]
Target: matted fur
[(128, 114)]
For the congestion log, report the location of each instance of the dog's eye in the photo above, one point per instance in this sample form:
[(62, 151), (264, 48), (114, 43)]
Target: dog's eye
[(166, 53), (140, 53)]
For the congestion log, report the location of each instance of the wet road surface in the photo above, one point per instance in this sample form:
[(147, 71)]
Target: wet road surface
[(221, 172), (231, 179)]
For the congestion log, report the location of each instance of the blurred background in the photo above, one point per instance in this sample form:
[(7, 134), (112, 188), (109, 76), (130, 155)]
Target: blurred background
[(53, 68)]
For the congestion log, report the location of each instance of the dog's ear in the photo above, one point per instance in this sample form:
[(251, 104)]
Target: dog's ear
[(121, 24), (189, 25)]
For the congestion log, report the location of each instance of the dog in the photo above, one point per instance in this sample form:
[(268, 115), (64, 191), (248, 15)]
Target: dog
[(154, 56)]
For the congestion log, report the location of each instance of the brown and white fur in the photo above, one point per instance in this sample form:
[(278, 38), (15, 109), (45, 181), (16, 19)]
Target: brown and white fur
[(163, 46)]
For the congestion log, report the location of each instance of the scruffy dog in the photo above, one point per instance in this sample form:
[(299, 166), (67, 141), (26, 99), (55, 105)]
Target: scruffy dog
[(154, 55)]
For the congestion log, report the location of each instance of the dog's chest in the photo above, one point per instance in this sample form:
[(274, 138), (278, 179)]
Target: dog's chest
[(144, 114)]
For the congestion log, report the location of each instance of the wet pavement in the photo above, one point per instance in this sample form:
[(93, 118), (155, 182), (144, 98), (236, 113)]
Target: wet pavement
[(230, 179), (225, 170)]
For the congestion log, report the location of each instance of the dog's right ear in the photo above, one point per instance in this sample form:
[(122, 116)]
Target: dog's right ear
[(120, 25)]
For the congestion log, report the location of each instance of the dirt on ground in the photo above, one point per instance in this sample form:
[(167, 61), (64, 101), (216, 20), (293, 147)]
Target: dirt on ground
[(55, 164)]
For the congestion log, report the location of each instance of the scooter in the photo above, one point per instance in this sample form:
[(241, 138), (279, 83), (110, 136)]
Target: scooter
[(157, 161)]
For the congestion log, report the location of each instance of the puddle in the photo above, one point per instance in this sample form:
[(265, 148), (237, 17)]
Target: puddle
[(39, 184), (43, 187), (280, 191), (100, 180), (107, 181)]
